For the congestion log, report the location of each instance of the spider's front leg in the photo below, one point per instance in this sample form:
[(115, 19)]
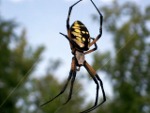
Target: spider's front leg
[(95, 48), (98, 83), (100, 29), (72, 76), (69, 13)]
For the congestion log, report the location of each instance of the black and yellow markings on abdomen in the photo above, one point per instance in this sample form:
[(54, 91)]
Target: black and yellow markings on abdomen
[(80, 35), (78, 30)]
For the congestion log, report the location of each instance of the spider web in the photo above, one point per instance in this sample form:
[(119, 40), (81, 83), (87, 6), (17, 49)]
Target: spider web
[(20, 82)]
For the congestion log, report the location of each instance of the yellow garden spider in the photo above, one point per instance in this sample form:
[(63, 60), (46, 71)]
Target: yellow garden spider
[(80, 42)]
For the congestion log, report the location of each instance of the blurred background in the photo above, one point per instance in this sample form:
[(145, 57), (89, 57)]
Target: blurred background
[(35, 59)]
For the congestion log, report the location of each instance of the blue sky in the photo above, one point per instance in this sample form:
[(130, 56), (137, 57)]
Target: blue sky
[(44, 19)]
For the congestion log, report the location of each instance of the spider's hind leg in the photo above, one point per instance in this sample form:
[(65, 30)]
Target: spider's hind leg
[(98, 83), (61, 92), (71, 74), (71, 87), (73, 69)]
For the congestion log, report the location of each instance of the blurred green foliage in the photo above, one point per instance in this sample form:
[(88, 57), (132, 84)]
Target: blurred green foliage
[(16, 63), (129, 68)]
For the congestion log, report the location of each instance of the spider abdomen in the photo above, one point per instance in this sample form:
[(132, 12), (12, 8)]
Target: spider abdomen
[(80, 36)]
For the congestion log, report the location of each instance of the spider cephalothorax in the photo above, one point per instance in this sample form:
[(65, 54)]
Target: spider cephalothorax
[(80, 43)]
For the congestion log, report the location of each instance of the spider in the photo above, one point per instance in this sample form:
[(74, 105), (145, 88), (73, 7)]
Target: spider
[(80, 42)]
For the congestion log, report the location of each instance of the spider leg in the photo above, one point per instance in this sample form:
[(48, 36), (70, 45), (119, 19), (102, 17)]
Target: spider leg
[(69, 13), (97, 80), (70, 41), (71, 88), (104, 97), (65, 86), (101, 22), (95, 48), (67, 38), (73, 68)]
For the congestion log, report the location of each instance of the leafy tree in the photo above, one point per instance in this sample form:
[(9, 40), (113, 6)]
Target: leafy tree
[(129, 69), (16, 59)]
